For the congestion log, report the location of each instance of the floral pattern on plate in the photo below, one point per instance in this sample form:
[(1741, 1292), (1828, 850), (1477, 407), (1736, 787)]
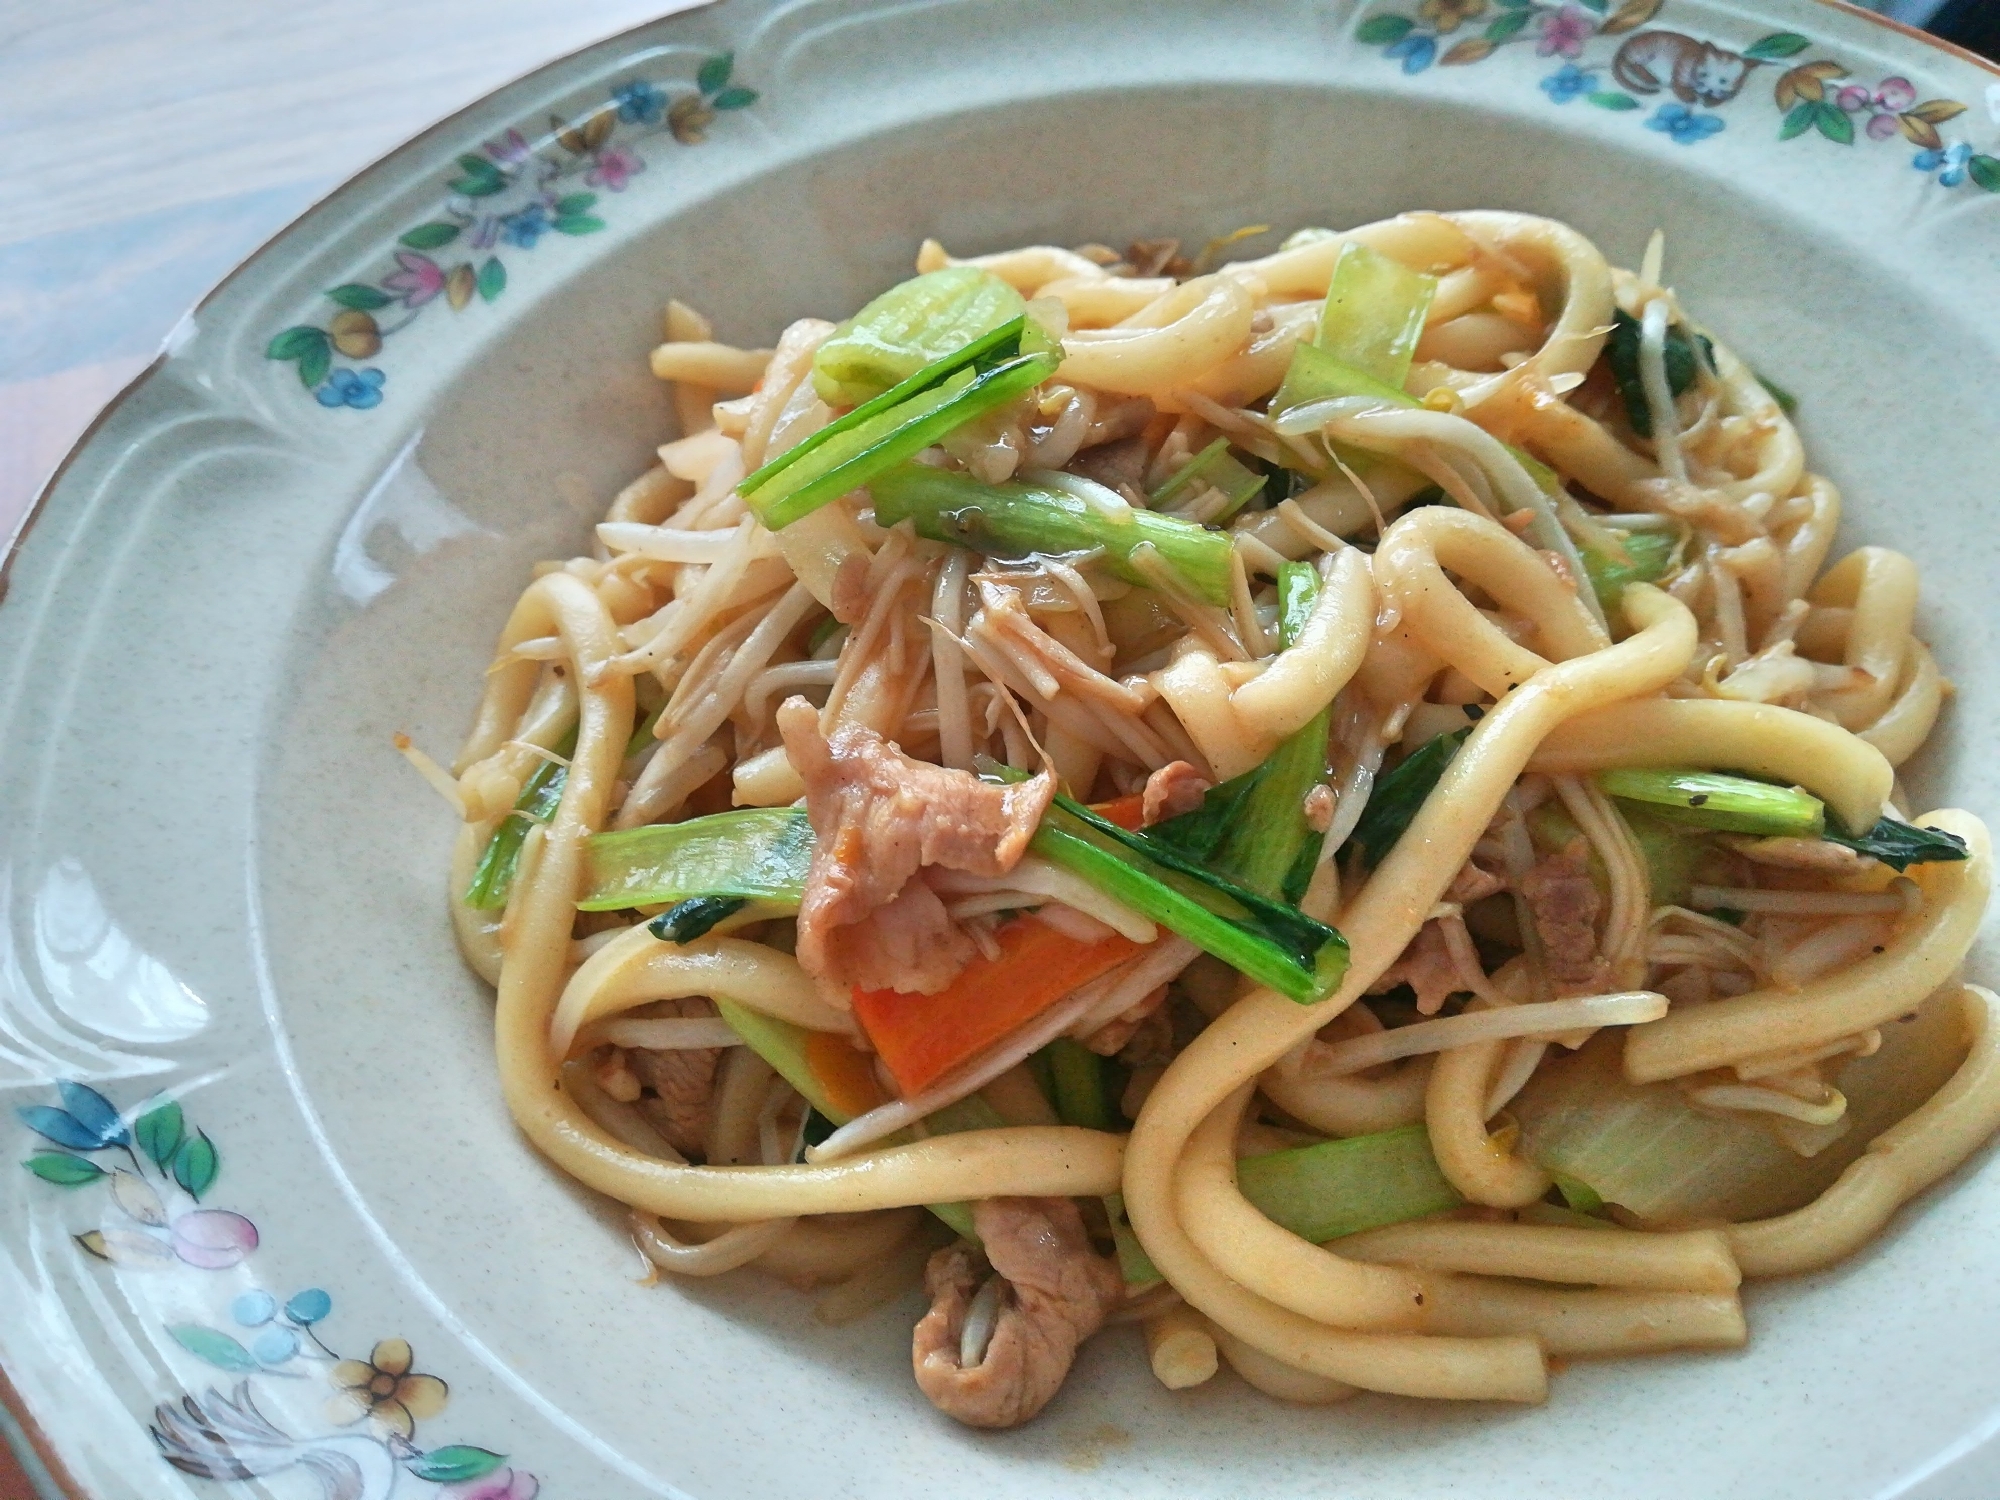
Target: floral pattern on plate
[(505, 196), (157, 1169), (1702, 76)]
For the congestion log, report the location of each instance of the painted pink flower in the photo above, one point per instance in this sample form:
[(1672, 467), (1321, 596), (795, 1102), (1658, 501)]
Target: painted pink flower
[(614, 167), (510, 150), (1897, 94), (1565, 31), (419, 280), (501, 1484), (1853, 99), (1881, 127), (213, 1238)]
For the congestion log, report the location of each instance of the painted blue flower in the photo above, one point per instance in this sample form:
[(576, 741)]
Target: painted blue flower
[(254, 1309), (639, 102), (1417, 51), (1949, 164), (1568, 82), (275, 1345), (525, 225), (359, 389), (1683, 124)]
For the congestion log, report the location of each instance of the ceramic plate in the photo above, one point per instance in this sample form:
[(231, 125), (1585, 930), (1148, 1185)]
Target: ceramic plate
[(276, 1236)]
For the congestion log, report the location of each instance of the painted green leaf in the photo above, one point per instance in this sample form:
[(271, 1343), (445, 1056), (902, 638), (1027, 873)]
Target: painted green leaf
[(1834, 123), (1985, 171), (492, 278), (159, 1132), (575, 203), (1596, 5), (293, 343), (218, 1348), (735, 97), (1382, 31), (454, 1464), (1613, 100), (360, 297), (1510, 25), (481, 179), (1514, 4), (581, 224), (714, 72), (196, 1164), (1777, 45), (430, 236), (313, 365), (62, 1169), (1799, 121)]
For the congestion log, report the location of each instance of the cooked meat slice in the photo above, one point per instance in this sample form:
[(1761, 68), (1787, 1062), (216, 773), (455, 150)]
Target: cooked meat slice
[(1175, 788), (1051, 1293), (878, 817), (1118, 465), (908, 943), (1112, 1038), (1564, 902), (679, 1084), (1427, 967)]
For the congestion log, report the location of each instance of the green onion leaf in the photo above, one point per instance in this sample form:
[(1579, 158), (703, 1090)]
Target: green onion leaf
[(853, 455), (1212, 468), (911, 325), (1019, 520), (1899, 845), (1729, 804), (1787, 402), (1343, 1187), (757, 853), (1134, 1264), (695, 917), (1276, 945), (1397, 796), (1685, 356), (1647, 554), (493, 877)]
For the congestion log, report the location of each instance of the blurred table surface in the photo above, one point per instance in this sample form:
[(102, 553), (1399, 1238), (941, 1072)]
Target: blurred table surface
[(153, 144)]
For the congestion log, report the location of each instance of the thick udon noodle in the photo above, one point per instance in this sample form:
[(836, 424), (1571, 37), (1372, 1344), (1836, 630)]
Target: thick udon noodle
[(1756, 658)]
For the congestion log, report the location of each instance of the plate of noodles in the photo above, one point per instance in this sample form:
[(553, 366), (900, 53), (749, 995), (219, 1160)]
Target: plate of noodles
[(1143, 750)]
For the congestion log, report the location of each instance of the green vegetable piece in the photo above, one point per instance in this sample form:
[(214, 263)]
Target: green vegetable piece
[(1298, 592), (1398, 796), (1080, 1091), (1343, 1187), (1019, 520), (1212, 468), (1671, 856), (909, 326), (1728, 804), (1580, 1196), (1316, 375), (1899, 845), (1685, 356), (855, 455), (1374, 313), (1134, 1264), (783, 1046), (1647, 554), (695, 917), (1274, 944), (1787, 402), (493, 877), (757, 853)]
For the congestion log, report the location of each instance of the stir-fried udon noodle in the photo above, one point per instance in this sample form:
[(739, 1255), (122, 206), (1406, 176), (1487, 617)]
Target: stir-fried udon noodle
[(1339, 807)]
